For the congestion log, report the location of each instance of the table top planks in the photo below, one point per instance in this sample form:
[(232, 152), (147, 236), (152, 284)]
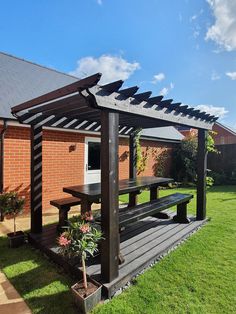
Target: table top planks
[(93, 190)]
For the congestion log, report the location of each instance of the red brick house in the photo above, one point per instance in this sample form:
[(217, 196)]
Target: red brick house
[(224, 135), (69, 157)]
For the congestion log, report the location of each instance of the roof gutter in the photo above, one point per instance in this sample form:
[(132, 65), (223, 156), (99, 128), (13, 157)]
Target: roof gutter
[(2, 136)]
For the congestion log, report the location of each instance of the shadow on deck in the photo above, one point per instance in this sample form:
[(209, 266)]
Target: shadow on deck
[(141, 244)]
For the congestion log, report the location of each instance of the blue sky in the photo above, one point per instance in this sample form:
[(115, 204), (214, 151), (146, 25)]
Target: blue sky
[(184, 49)]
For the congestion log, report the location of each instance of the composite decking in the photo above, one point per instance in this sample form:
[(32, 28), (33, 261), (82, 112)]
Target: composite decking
[(141, 244)]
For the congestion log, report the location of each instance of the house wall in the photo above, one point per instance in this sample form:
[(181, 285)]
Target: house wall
[(63, 161), (223, 136)]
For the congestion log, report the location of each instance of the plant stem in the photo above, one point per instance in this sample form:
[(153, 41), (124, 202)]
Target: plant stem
[(14, 224), (84, 274)]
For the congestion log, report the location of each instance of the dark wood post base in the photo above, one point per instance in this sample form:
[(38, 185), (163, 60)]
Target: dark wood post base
[(63, 217), (133, 198), (181, 216)]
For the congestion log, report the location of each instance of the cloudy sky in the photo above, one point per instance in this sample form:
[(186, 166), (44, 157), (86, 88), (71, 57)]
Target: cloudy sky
[(182, 49)]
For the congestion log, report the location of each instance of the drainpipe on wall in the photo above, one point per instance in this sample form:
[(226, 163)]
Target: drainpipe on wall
[(2, 134)]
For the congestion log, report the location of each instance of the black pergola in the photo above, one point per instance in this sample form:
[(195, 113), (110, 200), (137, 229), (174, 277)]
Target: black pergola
[(85, 105)]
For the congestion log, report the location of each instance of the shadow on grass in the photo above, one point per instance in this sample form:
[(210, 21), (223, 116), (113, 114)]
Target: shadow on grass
[(43, 285)]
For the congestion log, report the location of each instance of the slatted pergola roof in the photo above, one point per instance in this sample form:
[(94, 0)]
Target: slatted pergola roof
[(78, 105), (85, 105)]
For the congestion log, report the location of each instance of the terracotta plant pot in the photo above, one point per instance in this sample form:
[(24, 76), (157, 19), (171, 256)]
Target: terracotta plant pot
[(85, 303), (17, 239)]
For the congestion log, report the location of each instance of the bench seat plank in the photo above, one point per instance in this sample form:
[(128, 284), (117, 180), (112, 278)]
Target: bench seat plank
[(68, 201), (133, 214)]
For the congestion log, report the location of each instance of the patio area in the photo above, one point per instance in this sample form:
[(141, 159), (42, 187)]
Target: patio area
[(141, 244)]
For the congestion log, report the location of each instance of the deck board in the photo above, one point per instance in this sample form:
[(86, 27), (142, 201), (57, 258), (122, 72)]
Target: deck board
[(141, 244)]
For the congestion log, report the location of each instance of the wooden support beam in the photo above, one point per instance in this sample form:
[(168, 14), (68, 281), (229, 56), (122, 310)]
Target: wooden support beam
[(109, 195), (36, 178), (128, 92), (201, 174), (142, 96), (113, 87), (132, 166)]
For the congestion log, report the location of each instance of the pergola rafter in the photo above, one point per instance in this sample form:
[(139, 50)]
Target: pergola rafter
[(84, 99)]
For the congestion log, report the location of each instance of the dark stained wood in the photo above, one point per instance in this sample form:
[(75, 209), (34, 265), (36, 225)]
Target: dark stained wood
[(60, 92), (59, 104), (153, 193), (201, 175), (64, 205), (93, 191), (109, 195), (174, 106), (181, 216), (141, 245), (71, 201), (142, 96), (155, 100), (132, 166), (165, 103), (141, 211), (36, 178), (128, 92), (113, 87)]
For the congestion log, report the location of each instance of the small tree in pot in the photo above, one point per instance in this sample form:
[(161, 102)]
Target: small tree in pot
[(12, 205), (81, 239)]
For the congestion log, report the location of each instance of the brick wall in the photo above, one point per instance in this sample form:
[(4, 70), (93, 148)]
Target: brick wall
[(223, 136), (63, 161), (17, 162)]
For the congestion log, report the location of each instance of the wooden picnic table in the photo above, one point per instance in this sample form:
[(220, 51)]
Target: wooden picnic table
[(90, 193)]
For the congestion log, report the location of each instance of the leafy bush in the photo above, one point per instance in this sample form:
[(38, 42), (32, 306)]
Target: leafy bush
[(11, 205), (185, 160)]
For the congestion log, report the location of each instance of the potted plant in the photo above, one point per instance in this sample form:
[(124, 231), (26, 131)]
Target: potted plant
[(81, 239), (12, 205)]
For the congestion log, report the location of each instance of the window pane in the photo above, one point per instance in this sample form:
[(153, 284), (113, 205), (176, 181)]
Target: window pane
[(93, 156)]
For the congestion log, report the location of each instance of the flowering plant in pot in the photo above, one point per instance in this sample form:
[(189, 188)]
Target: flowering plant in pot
[(81, 239), (12, 205)]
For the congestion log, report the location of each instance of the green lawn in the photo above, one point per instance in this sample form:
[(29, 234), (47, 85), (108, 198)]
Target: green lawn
[(198, 277)]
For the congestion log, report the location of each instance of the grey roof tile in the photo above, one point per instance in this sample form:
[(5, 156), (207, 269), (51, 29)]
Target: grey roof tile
[(22, 80)]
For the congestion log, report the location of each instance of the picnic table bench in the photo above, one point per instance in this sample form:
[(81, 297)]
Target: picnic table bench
[(64, 205), (90, 193)]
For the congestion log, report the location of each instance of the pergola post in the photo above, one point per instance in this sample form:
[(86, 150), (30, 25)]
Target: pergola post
[(109, 195), (132, 165), (201, 174), (36, 178)]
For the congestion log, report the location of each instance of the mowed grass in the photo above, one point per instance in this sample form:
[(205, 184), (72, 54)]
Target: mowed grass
[(198, 277)]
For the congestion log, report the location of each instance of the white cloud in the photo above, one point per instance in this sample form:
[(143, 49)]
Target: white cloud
[(158, 78), (216, 111), (223, 31), (112, 68), (194, 17), (231, 75), (165, 90), (215, 76)]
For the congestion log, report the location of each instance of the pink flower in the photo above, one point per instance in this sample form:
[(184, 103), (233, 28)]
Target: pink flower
[(85, 228), (63, 240), (88, 216)]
